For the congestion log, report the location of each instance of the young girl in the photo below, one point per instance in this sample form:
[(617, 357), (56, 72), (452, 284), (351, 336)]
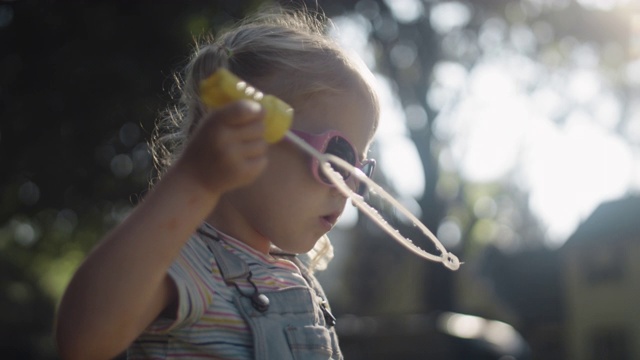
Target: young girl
[(207, 266)]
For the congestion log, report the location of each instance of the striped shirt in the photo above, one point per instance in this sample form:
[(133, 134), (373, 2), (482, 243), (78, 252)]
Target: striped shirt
[(208, 324)]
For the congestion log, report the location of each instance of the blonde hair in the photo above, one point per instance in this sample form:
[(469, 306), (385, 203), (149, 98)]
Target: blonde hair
[(280, 51)]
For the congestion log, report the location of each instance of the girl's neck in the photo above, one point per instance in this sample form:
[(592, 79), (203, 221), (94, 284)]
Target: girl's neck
[(229, 221)]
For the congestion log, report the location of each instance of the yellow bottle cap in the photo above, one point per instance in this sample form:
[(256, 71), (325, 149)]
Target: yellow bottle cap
[(278, 118), (223, 87)]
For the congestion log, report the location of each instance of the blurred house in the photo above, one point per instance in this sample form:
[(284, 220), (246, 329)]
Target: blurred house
[(578, 302), (524, 289), (602, 284)]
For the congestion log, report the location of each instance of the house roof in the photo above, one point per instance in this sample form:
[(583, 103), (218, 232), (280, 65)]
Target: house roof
[(612, 220)]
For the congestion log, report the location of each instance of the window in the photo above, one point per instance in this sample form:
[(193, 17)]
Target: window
[(610, 344), (604, 263)]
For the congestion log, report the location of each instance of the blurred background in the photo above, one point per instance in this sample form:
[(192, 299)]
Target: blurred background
[(510, 128)]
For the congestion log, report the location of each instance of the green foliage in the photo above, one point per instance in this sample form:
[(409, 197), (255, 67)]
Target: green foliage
[(80, 88)]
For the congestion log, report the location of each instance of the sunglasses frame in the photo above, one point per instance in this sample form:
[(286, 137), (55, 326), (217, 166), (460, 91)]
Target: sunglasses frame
[(320, 142), (331, 164)]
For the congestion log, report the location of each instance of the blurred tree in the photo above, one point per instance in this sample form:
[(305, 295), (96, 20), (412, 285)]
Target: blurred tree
[(453, 65), (431, 51), (80, 87), (457, 64)]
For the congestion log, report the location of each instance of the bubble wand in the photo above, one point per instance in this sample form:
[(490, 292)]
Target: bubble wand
[(222, 87)]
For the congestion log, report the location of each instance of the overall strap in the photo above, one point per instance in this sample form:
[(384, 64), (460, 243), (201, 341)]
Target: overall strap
[(315, 286), (231, 266)]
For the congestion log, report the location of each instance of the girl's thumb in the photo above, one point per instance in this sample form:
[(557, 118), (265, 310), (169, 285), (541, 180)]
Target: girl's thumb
[(241, 112)]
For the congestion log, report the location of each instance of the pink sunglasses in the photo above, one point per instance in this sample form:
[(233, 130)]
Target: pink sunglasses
[(334, 143)]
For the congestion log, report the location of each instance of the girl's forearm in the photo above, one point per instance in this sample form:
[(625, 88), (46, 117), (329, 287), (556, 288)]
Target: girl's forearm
[(122, 286)]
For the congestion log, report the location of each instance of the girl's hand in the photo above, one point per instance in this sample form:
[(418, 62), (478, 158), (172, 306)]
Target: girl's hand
[(227, 150)]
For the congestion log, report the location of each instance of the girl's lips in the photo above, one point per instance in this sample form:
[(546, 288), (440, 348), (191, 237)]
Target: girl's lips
[(330, 219)]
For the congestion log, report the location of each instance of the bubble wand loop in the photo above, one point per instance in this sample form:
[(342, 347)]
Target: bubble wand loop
[(223, 87), (328, 161)]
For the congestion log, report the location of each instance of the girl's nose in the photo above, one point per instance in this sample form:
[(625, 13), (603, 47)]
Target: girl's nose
[(336, 192), (354, 184)]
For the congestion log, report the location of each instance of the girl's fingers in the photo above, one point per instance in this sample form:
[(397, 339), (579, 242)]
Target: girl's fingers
[(244, 120), (251, 131), (255, 148), (254, 166), (238, 113), (228, 149)]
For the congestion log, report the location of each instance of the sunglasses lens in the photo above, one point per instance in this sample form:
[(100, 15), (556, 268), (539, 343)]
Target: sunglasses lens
[(341, 148)]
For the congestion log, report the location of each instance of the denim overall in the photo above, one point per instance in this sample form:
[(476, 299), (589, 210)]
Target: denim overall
[(288, 324)]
